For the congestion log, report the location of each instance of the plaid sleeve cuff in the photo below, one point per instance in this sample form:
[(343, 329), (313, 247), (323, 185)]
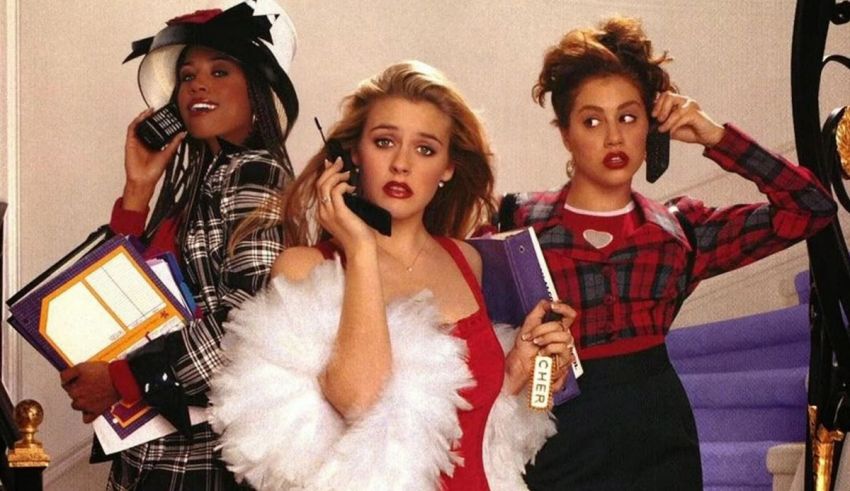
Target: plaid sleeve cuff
[(127, 222), (124, 382), (730, 148)]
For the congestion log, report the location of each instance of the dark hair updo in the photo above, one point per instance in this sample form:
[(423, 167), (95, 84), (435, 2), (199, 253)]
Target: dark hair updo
[(617, 46)]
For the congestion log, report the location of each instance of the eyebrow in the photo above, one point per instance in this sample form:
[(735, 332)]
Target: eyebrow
[(598, 108), (215, 58), (392, 127)]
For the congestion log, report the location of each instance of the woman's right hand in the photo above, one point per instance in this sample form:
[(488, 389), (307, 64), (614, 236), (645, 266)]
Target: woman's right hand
[(143, 166), (334, 215), (90, 388), (535, 337)]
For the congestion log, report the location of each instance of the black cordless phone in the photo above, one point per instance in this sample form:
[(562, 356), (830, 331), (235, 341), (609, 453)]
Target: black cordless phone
[(374, 216), (657, 152), (159, 128)]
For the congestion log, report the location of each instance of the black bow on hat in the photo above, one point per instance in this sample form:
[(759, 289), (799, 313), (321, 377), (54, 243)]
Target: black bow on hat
[(237, 22)]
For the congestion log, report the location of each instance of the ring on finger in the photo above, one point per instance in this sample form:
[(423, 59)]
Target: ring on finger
[(325, 200)]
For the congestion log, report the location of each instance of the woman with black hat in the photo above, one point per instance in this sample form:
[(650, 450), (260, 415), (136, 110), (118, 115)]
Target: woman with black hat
[(215, 211)]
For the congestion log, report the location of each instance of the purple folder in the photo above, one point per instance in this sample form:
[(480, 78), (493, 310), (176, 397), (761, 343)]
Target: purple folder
[(514, 280), (26, 309), (515, 275), (26, 305)]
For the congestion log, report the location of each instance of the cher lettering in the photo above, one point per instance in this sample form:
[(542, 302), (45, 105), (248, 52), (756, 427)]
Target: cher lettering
[(540, 390)]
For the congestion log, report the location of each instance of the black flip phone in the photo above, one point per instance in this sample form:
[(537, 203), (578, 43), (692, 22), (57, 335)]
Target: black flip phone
[(159, 128), (657, 152), (374, 216)]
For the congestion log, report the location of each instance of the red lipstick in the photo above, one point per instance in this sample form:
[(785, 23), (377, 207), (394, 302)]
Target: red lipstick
[(616, 160), (398, 190)]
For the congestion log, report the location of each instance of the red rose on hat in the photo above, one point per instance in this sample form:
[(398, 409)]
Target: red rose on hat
[(196, 17)]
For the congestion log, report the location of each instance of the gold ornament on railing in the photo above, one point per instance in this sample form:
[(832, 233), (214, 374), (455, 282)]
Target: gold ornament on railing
[(812, 411), (823, 447), (842, 141), (28, 452)]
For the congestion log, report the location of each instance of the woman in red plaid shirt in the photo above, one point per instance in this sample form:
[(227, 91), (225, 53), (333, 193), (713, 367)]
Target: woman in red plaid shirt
[(625, 262)]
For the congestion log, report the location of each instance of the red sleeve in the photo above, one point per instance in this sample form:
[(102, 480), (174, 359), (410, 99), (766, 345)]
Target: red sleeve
[(127, 222), (730, 237), (124, 382), (164, 239)]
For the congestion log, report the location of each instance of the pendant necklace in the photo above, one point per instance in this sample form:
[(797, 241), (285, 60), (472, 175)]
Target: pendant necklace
[(409, 268)]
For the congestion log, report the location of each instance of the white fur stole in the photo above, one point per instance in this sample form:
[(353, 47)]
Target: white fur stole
[(278, 432)]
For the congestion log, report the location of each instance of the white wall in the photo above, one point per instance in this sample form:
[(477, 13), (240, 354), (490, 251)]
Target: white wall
[(76, 100), (3, 71)]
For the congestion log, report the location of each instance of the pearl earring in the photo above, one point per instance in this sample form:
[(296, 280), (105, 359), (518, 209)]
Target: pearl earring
[(441, 184)]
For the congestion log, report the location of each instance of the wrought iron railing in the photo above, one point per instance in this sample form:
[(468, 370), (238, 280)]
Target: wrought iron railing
[(818, 150)]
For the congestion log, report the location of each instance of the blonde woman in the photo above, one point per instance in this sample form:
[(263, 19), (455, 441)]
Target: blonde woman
[(378, 360)]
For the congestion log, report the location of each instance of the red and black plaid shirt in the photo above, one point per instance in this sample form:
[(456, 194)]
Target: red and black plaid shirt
[(631, 291)]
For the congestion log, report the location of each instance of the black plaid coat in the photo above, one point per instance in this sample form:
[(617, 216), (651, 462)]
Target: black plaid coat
[(237, 183)]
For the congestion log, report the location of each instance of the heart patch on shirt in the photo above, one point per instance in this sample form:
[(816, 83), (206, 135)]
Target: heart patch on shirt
[(596, 238)]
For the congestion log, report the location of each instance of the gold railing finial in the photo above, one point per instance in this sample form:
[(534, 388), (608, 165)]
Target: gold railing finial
[(28, 452), (823, 447)]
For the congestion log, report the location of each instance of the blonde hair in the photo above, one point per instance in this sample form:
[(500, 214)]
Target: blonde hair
[(461, 205)]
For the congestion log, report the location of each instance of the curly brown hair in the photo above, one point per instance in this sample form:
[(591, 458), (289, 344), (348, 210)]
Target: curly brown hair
[(459, 207), (616, 46)]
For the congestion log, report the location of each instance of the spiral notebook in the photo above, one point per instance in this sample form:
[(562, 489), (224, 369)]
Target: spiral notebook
[(514, 280)]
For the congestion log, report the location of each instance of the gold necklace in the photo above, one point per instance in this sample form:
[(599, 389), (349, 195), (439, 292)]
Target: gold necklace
[(409, 268)]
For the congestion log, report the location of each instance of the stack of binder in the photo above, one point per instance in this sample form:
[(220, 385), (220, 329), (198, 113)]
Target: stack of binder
[(98, 303)]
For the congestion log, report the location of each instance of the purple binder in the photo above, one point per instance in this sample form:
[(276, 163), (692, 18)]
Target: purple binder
[(514, 280), (515, 275), (26, 305)]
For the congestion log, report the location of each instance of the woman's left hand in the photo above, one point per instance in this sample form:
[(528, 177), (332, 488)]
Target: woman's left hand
[(536, 337), (686, 122)]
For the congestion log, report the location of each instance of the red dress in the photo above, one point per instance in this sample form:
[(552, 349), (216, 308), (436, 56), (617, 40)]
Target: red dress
[(486, 361)]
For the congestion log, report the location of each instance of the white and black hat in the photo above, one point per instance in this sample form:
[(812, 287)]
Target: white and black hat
[(261, 37)]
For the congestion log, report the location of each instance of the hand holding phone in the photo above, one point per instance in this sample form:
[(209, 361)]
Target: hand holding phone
[(657, 152), (159, 128), (374, 216)]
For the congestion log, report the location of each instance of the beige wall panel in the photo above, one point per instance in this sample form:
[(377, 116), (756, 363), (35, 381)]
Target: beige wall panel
[(3, 113)]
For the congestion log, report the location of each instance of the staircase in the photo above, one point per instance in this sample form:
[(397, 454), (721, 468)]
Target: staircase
[(746, 379)]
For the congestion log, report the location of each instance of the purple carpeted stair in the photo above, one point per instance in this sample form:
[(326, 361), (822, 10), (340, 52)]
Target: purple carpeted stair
[(746, 381)]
